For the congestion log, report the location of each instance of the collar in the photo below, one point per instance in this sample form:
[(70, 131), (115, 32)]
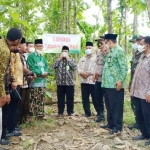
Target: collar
[(147, 55), (37, 53)]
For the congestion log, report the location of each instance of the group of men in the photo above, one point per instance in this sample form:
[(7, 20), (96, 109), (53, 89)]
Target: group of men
[(23, 79), (103, 76)]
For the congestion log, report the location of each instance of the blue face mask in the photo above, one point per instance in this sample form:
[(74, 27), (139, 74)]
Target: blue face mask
[(88, 51), (16, 51)]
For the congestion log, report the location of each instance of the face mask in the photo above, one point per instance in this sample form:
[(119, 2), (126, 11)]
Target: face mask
[(31, 50), (39, 51), (141, 48), (88, 51), (135, 46), (64, 54), (107, 46), (16, 51)]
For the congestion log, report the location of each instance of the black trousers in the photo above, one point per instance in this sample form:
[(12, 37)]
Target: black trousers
[(133, 106), (13, 111), (68, 92), (86, 91), (99, 98), (114, 101), (5, 109), (143, 116), (24, 107)]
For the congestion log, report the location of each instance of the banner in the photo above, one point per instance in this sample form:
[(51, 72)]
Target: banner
[(53, 43)]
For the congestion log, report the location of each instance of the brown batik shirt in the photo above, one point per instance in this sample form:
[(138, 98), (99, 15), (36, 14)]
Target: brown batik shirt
[(65, 71), (141, 81)]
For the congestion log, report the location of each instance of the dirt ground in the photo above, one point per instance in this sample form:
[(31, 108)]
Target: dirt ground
[(72, 133)]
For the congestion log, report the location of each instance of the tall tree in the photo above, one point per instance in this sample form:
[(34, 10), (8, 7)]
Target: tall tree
[(148, 7), (109, 16)]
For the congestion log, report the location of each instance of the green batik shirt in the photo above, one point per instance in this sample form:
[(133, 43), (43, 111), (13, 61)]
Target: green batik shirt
[(134, 62), (115, 68), (38, 65)]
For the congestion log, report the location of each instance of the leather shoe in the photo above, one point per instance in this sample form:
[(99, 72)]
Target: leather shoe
[(14, 133), (147, 143), (106, 126), (115, 131), (99, 119), (141, 137), (135, 126), (4, 142), (85, 115)]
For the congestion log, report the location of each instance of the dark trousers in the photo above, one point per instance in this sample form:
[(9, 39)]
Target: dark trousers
[(143, 116), (98, 100), (67, 91), (133, 106), (4, 120), (13, 112), (86, 91), (114, 101), (24, 107)]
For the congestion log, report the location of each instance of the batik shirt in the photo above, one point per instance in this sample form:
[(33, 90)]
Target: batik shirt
[(87, 64), (38, 65), (141, 81), (115, 68), (4, 60), (65, 71)]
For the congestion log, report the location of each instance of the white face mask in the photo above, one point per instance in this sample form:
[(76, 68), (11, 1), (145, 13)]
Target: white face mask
[(38, 51), (141, 48), (88, 51), (64, 54), (135, 46), (31, 49), (107, 46)]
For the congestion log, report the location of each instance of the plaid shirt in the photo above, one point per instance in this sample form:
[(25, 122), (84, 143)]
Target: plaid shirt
[(65, 71), (141, 81)]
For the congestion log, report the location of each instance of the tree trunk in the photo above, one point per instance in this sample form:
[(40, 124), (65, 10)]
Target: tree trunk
[(135, 24), (69, 14), (62, 16), (148, 8), (109, 16)]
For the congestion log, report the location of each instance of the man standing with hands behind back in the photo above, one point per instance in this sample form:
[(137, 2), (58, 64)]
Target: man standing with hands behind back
[(113, 80)]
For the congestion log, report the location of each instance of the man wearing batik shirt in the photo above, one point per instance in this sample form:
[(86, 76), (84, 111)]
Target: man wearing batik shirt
[(25, 89), (38, 65), (113, 80), (86, 70), (140, 90), (65, 67)]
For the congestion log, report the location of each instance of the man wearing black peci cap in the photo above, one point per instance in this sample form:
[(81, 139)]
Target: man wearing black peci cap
[(65, 67), (113, 81), (39, 66), (86, 70)]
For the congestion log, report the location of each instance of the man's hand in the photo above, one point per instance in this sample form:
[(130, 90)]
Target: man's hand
[(14, 85), (118, 85), (61, 56), (45, 74), (3, 101), (148, 98), (8, 98), (85, 75), (67, 57)]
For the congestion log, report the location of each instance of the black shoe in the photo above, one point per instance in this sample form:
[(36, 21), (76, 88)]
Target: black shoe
[(14, 133), (135, 126), (99, 119), (70, 114), (106, 126), (4, 142), (141, 137), (85, 115), (147, 143), (18, 128), (115, 131)]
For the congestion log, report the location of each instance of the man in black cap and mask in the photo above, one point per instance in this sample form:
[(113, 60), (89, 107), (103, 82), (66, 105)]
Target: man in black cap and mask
[(65, 67), (113, 80), (86, 70)]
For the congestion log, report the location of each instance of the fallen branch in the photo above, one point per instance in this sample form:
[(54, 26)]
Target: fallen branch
[(36, 144)]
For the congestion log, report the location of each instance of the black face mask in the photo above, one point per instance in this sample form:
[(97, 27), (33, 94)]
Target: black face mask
[(16, 51)]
